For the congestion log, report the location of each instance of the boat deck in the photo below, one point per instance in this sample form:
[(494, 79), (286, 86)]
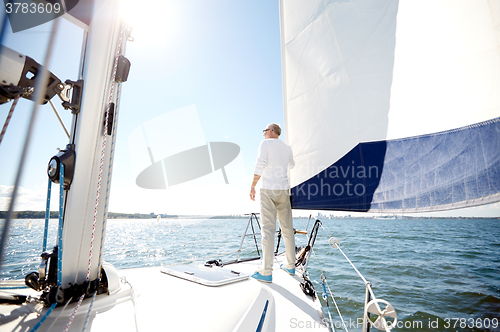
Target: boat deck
[(159, 301)]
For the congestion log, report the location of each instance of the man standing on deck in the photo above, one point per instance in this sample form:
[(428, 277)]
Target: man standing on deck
[(273, 160)]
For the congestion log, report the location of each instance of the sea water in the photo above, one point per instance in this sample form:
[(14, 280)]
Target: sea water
[(438, 274)]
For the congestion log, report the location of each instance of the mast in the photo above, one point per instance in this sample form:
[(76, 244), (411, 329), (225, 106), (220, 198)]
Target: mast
[(83, 201)]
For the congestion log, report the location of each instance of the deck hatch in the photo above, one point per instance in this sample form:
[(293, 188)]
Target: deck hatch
[(208, 276)]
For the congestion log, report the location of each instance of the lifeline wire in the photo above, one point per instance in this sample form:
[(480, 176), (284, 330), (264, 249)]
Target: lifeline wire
[(101, 166), (183, 243), (336, 245)]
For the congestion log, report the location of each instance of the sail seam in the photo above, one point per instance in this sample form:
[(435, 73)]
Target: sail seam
[(475, 125)]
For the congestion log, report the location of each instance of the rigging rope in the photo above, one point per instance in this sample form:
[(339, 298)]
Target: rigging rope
[(134, 298), (334, 245), (9, 116), (101, 166), (325, 283), (55, 320), (58, 117), (74, 313), (88, 313), (325, 298), (47, 216), (59, 243), (61, 223)]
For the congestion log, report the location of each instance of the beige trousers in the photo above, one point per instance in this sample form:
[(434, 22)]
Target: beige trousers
[(272, 203)]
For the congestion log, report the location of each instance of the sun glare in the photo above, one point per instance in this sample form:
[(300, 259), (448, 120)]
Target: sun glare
[(152, 21)]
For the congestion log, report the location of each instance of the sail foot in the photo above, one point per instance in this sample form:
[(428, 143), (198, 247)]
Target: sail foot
[(440, 171)]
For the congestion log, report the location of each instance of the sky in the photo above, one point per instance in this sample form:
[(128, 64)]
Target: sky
[(219, 60)]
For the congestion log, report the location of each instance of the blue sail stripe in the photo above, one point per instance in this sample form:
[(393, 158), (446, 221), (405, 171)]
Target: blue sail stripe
[(440, 171)]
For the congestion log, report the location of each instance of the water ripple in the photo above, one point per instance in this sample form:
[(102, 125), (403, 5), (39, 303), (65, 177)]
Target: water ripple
[(429, 270)]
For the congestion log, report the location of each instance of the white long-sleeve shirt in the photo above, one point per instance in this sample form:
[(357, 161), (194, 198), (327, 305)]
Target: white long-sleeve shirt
[(273, 160)]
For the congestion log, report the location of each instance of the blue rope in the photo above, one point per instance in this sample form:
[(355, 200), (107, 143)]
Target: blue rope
[(325, 295), (43, 318), (88, 313), (60, 232), (47, 216)]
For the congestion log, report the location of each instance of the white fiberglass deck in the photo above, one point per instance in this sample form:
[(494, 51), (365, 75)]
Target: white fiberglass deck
[(166, 302)]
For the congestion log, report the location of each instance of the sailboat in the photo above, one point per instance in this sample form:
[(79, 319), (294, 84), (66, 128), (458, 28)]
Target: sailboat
[(377, 119)]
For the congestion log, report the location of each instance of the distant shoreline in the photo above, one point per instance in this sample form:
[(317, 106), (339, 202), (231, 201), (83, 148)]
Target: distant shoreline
[(114, 215)]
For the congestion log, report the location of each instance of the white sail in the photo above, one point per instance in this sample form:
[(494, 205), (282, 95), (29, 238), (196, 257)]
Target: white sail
[(392, 105)]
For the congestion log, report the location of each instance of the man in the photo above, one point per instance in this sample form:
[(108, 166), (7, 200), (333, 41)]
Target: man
[(273, 160)]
